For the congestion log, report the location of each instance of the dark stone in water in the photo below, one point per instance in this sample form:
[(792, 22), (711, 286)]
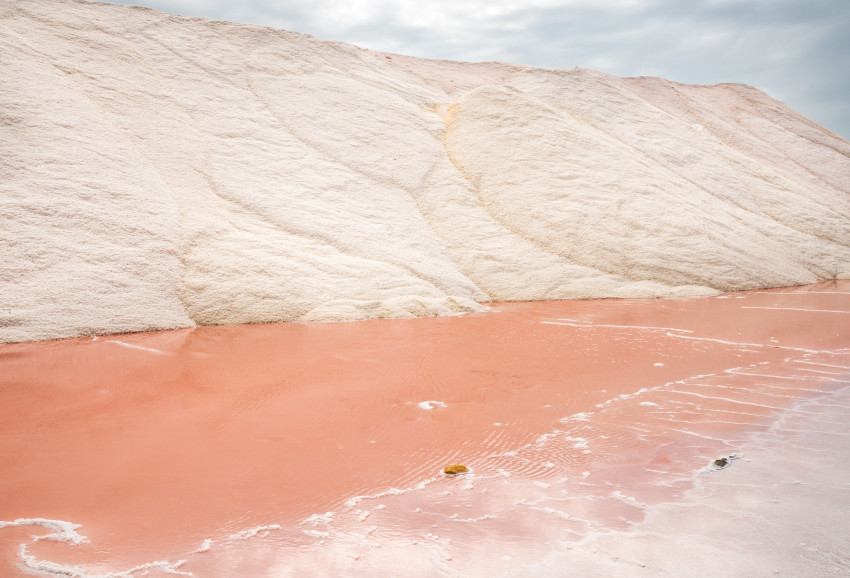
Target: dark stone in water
[(721, 463)]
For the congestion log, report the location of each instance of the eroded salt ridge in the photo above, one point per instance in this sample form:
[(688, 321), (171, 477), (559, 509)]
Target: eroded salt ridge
[(160, 172)]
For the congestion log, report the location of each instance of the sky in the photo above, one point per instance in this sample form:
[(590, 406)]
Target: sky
[(798, 51)]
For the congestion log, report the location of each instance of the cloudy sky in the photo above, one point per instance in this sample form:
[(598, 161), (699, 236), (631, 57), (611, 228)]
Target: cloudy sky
[(798, 51)]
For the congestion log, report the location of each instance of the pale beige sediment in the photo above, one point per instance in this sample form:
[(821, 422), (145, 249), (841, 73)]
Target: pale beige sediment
[(159, 171)]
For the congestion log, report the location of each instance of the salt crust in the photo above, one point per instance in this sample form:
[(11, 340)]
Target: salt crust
[(159, 172)]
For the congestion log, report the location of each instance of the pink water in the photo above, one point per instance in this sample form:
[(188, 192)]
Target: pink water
[(310, 450)]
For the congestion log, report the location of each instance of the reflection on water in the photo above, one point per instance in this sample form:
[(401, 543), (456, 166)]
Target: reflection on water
[(591, 429)]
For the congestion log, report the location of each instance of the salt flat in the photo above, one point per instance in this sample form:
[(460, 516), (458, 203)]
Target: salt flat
[(159, 172)]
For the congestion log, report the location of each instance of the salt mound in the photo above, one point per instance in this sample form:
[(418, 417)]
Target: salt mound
[(159, 171)]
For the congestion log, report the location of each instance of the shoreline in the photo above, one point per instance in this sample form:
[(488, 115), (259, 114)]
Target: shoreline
[(487, 307)]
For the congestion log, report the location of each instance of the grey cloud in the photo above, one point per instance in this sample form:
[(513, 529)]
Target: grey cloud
[(798, 52), (797, 57)]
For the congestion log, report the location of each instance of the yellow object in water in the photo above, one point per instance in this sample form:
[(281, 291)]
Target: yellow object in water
[(455, 469)]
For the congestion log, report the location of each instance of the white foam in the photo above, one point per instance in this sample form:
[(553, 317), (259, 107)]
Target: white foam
[(138, 347), (796, 309), (627, 499), (821, 371), (351, 502), (578, 442), (66, 532), (325, 518), (823, 364), (205, 546), (747, 345), (590, 324), (251, 532), (738, 371), (429, 405), (32, 563), (582, 416)]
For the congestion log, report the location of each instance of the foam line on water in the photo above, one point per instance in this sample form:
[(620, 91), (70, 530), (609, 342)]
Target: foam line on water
[(64, 531), (730, 400), (54, 569), (742, 344), (737, 371), (67, 532), (694, 434), (746, 389), (575, 323), (821, 371), (353, 501), (821, 363), (139, 347), (796, 309), (251, 532)]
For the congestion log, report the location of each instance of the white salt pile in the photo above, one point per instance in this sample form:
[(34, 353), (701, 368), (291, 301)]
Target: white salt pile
[(159, 171)]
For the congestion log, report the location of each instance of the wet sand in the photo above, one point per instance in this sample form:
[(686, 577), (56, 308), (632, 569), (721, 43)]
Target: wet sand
[(309, 449)]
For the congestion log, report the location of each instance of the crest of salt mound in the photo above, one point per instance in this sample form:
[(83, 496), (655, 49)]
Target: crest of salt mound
[(159, 171)]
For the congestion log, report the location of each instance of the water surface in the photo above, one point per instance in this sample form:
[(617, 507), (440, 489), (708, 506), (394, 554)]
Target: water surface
[(591, 429)]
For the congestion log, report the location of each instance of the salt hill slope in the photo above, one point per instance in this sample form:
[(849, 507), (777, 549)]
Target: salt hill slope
[(159, 172)]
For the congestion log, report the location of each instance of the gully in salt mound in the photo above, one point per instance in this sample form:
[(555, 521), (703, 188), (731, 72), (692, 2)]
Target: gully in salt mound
[(591, 430), (170, 172)]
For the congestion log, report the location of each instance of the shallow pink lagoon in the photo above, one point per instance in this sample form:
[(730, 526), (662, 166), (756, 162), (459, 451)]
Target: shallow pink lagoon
[(590, 427)]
